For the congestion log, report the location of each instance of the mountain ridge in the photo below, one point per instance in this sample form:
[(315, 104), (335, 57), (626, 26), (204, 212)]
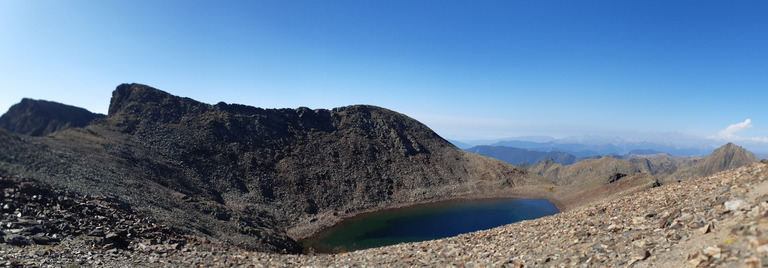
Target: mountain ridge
[(254, 177), (261, 178), (40, 117), (609, 147), (517, 156)]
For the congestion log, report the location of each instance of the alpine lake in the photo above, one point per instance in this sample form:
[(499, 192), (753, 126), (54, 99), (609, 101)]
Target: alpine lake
[(424, 222)]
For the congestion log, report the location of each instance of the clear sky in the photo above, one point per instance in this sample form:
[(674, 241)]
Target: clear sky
[(468, 69)]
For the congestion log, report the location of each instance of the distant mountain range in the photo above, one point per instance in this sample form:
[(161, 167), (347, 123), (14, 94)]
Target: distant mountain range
[(591, 146), (517, 156)]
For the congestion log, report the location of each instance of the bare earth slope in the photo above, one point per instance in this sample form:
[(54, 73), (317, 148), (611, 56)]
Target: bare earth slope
[(249, 176)]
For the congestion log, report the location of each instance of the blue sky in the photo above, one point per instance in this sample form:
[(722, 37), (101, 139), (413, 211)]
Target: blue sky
[(467, 69)]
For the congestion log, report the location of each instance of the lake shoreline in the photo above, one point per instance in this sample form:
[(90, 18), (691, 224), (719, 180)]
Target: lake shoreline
[(526, 192)]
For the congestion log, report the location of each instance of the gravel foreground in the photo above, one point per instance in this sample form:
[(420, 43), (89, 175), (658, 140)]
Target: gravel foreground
[(716, 221)]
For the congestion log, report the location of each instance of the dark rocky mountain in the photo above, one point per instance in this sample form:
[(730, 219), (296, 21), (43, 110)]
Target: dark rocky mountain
[(517, 156), (253, 177), (40, 118)]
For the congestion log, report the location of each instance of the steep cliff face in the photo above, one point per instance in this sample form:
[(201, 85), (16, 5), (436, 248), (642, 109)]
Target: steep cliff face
[(250, 176), (40, 118)]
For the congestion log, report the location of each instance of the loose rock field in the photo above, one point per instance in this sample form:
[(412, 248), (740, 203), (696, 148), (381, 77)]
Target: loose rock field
[(720, 220)]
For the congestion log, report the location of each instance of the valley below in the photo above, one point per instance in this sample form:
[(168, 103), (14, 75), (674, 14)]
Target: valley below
[(164, 180)]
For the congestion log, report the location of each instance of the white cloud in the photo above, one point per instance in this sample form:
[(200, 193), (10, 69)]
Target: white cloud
[(729, 133)]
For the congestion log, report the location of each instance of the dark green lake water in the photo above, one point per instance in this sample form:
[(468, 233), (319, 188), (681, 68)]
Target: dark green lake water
[(425, 222)]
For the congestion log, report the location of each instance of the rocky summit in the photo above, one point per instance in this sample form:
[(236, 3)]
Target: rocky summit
[(164, 180)]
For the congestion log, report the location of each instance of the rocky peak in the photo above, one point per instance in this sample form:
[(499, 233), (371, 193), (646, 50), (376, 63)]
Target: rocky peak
[(143, 99), (726, 157), (40, 117), (135, 106), (125, 94)]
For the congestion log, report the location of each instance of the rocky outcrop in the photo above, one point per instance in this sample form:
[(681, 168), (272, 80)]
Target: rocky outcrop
[(40, 118), (253, 176)]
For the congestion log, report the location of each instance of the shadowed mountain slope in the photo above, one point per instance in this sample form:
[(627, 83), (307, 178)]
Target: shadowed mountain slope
[(252, 176), (40, 118)]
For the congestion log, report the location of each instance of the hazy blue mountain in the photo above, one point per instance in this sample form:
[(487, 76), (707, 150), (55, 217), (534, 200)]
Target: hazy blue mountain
[(517, 156), (591, 146), (461, 145)]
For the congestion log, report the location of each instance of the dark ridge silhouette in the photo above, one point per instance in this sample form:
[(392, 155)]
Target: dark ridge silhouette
[(40, 117)]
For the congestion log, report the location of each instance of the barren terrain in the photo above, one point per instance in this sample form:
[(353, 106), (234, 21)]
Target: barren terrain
[(719, 220)]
